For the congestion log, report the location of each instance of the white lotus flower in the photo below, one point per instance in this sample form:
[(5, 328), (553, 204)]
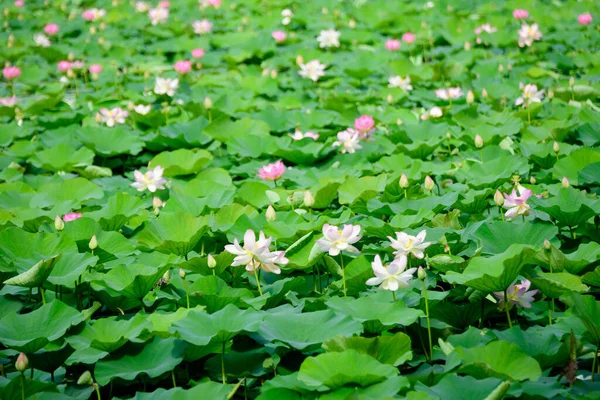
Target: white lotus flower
[(151, 180), (202, 27), (348, 141), (166, 86), (528, 34), (393, 276), (255, 254), (158, 15), (336, 240), (42, 40), (329, 38), (398, 82), (312, 70), (531, 94), (115, 116), (299, 135), (142, 109), (406, 244), (141, 7), (435, 112), (450, 93)]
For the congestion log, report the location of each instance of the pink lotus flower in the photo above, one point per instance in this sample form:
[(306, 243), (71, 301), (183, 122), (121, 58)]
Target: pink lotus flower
[(11, 73), (336, 240), (585, 19), (272, 172), (72, 216), (279, 36), (408, 38), (518, 294), (8, 101), (520, 14), (95, 69), (93, 14), (19, 3), (215, 3), (64, 66), (183, 67), (364, 123), (298, 135), (77, 65), (517, 204), (164, 4), (392, 44), (51, 29), (198, 53)]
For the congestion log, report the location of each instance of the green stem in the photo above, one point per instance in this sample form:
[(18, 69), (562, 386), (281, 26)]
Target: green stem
[(343, 273), (501, 213), (22, 386), (173, 377), (393, 295), (506, 308), (97, 391), (223, 364), (428, 320), (256, 275), (405, 196), (42, 294), (550, 315), (595, 361), (187, 293), (528, 115)]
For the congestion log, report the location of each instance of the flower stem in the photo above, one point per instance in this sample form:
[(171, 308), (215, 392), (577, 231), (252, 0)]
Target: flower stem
[(343, 273), (405, 196), (528, 115), (173, 377), (393, 295), (223, 364), (428, 320), (187, 293), (506, 308), (97, 391), (256, 275), (23, 386)]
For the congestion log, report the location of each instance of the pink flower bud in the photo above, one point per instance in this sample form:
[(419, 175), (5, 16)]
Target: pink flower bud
[(408, 38), (11, 73), (51, 29), (585, 19), (19, 3), (64, 66), (95, 69), (392, 44), (183, 67), (22, 362), (279, 36), (364, 123), (198, 53), (519, 14)]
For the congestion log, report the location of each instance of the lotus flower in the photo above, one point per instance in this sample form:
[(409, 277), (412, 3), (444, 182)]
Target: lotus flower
[(151, 180), (42, 40), (528, 34), (364, 123), (142, 109), (272, 172), (198, 53), (183, 67), (279, 36), (11, 73), (8, 101), (166, 86), (93, 14), (408, 37), (585, 19), (72, 216), (202, 27), (517, 203), (329, 38), (64, 66), (255, 254), (51, 29), (406, 244), (398, 82), (393, 276), (348, 141), (450, 93), (312, 70), (158, 15), (95, 69), (115, 116), (531, 94), (518, 294), (392, 44), (298, 135), (336, 240), (520, 14)]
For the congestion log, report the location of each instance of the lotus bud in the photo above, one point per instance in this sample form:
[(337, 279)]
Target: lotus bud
[(500, 68), (93, 243), (208, 103), (478, 141), (299, 60), (22, 362), (59, 224), (212, 263), (309, 200), (429, 184), (273, 74), (166, 276), (484, 93), (389, 98), (509, 67), (265, 72), (85, 379), (403, 181), (352, 24), (421, 274), (547, 245), (550, 94), (470, 97), (571, 81), (157, 203), (565, 182), (532, 180), (271, 214), (556, 147), (498, 198), (181, 273), (467, 46)]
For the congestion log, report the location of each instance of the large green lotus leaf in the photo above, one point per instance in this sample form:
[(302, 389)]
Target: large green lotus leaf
[(251, 146), (590, 175), (495, 273), (133, 281), (569, 207), (62, 157), (51, 357), (199, 328), (36, 275), (494, 171), (570, 165), (109, 334), (586, 254), (214, 293), (225, 129), (453, 387), (376, 307), (304, 252), (19, 250), (394, 350), (499, 359), (592, 277), (110, 142), (556, 284), (182, 161), (539, 343), (496, 237), (206, 182), (30, 332), (72, 192), (162, 321), (12, 389), (154, 359), (203, 390), (348, 367), (185, 134), (117, 211), (175, 233), (587, 309), (386, 389), (474, 201), (226, 216), (253, 193), (353, 187)]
